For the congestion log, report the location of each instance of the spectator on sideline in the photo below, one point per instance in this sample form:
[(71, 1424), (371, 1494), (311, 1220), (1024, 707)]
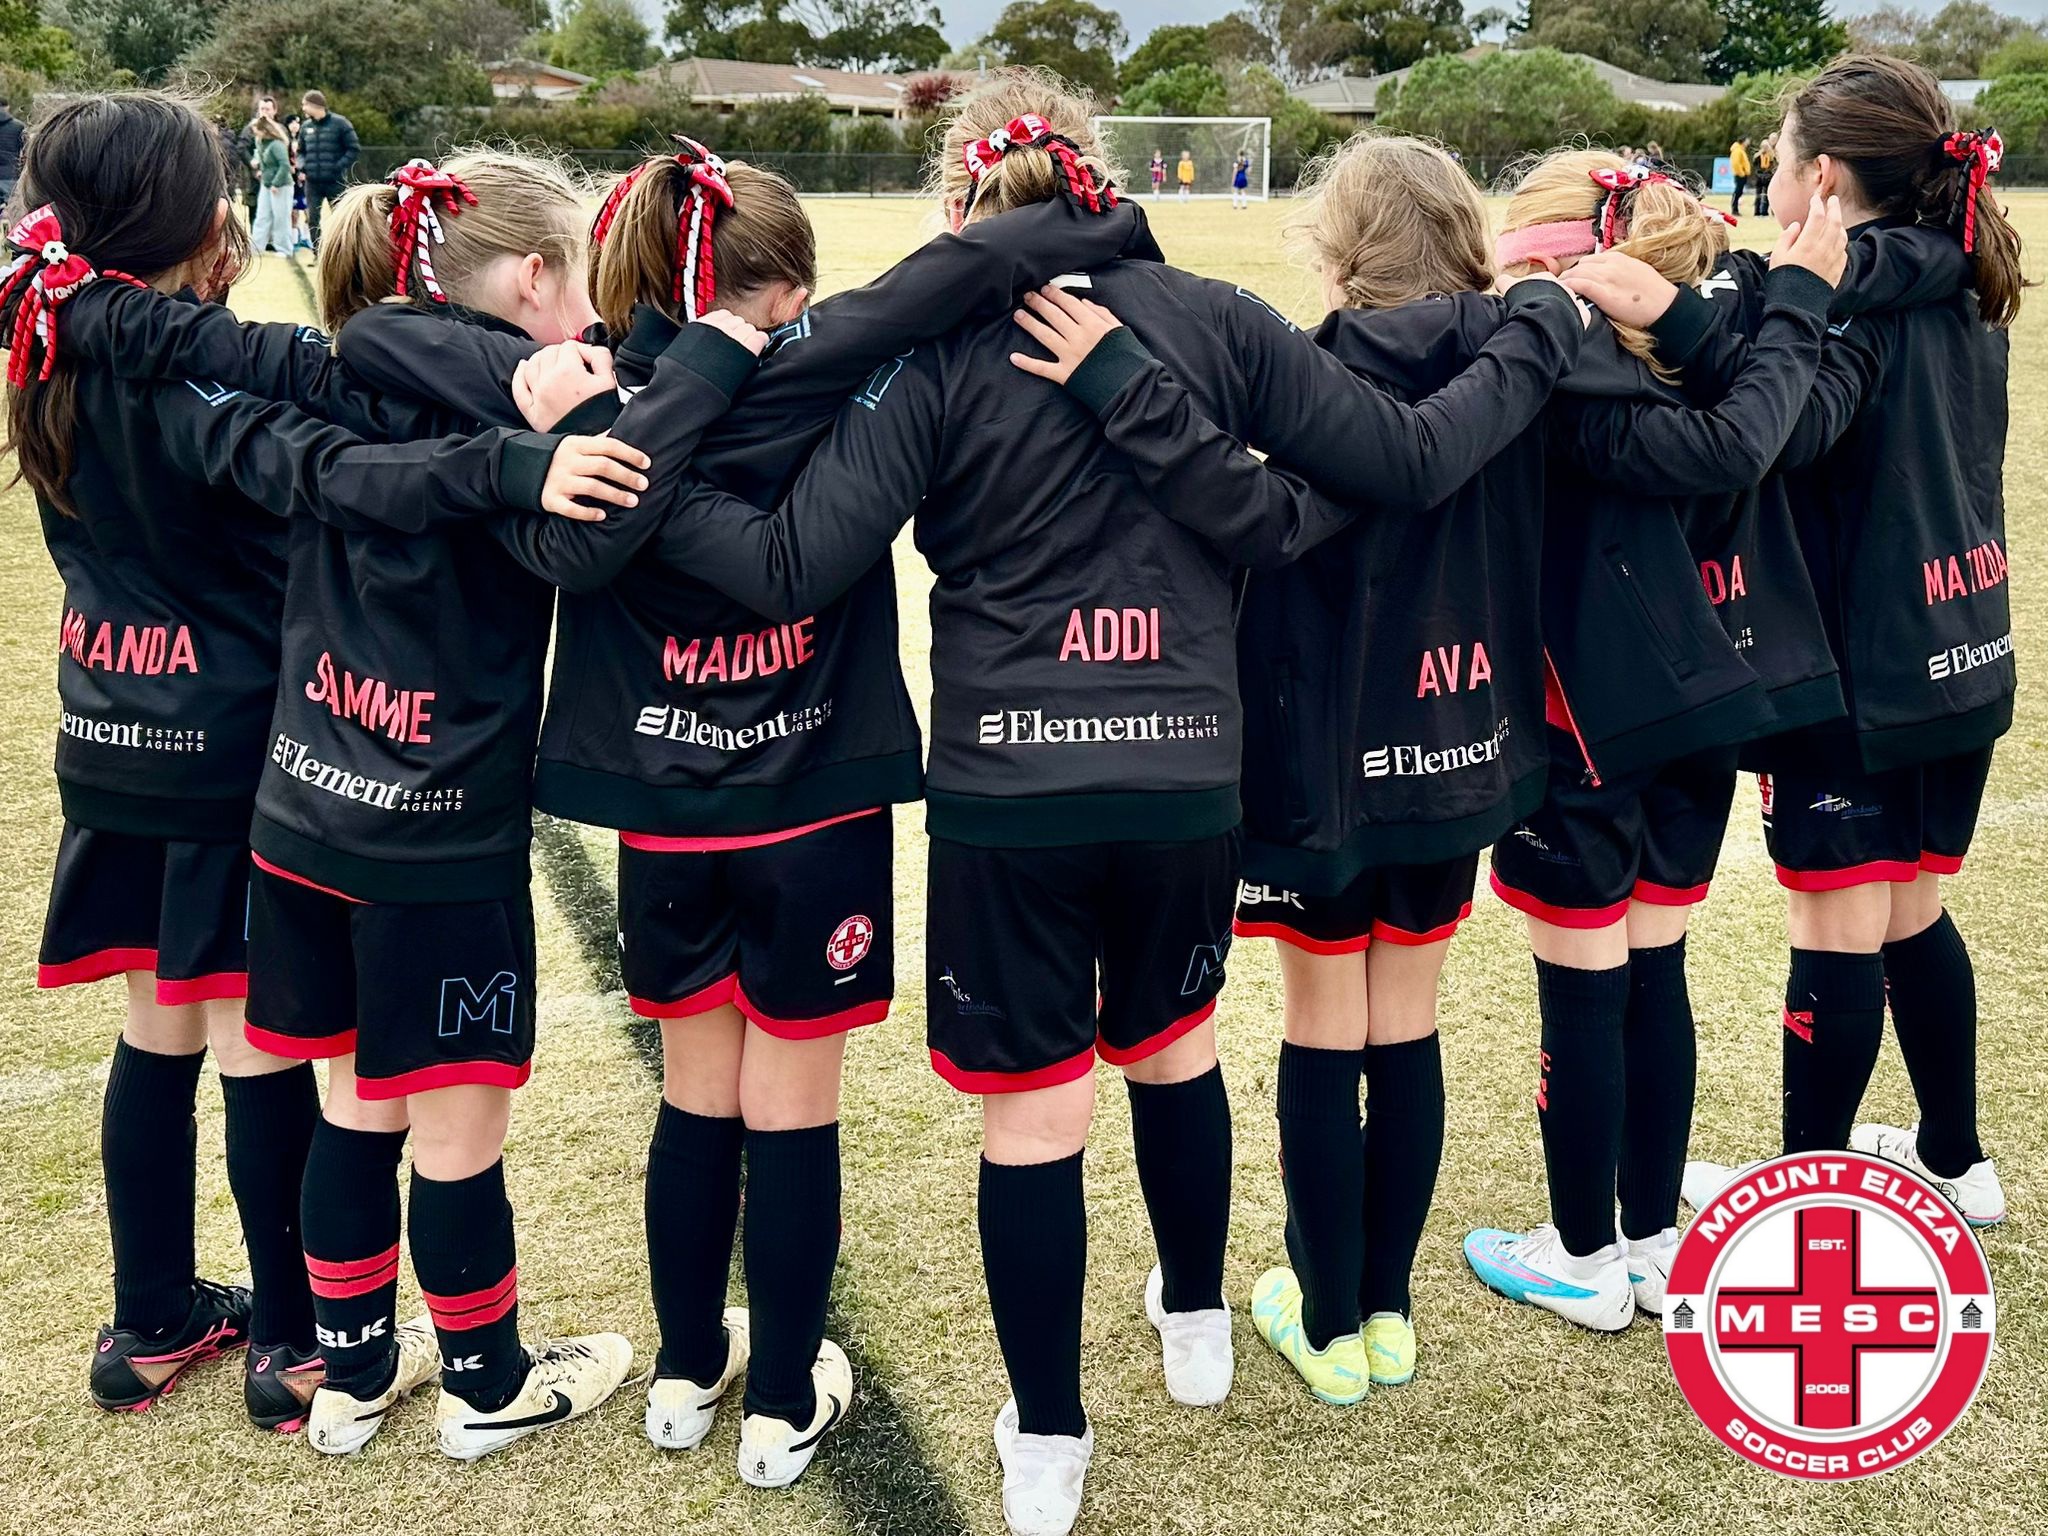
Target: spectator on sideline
[(1766, 162), (272, 225), (1738, 167), (1653, 152), (10, 151), (327, 149), (245, 151), (301, 241)]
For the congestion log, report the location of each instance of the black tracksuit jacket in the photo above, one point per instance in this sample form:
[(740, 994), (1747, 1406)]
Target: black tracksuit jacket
[(1902, 525), (1083, 647)]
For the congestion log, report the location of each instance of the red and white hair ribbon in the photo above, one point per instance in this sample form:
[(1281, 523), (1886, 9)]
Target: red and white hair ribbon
[(1566, 238), (1981, 155), (44, 275), (1032, 131), (425, 192), (696, 282)]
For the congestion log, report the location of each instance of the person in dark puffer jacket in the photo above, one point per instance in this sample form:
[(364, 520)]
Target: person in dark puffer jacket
[(328, 148)]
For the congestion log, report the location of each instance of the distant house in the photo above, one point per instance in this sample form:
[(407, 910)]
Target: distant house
[(1354, 99), (513, 78), (727, 84), (1964, 93)]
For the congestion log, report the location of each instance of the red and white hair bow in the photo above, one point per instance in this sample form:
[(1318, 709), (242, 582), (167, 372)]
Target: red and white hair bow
[(696, 277), (1032, 131), (425, 192), (1609, 224), (43, 276), (1981, 155)]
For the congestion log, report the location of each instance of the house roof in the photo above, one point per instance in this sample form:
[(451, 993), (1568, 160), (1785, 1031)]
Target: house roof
[(1358, 95), (740, 80), (533, 67)]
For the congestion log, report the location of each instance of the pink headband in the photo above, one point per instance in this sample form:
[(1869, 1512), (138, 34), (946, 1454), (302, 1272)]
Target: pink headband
[(1567, 237)]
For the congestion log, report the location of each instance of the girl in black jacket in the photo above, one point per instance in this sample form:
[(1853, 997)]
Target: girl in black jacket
[(1904, 530)]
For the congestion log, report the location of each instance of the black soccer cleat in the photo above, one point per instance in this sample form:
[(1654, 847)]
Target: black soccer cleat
[(278, 1384), (130, 1371)]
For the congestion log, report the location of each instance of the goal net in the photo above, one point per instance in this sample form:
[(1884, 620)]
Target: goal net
[(1215, 145)]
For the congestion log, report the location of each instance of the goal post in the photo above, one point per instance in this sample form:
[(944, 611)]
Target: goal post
[(1215, 144)]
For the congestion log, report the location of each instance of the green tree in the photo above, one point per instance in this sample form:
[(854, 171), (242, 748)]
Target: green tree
[(1383, 35), (1960, 36), (1169, 47), (1236, 39), (774, 38), (602, 38), (145, 37), (1186, 90), (2024, 55), (896, 35), (1073, 38), (1501, 104), (1299, 130), (1757, 103), (703, 29), (1764, 36), (1665, 39), (1303, 39), (1887, 28), (2018, 105), (26, 42)]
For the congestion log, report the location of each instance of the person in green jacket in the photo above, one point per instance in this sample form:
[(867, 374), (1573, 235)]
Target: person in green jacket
[(272, 226)]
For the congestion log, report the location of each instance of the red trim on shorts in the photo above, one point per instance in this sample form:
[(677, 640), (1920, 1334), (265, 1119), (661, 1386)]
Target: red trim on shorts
[(1557, 917), (300, 1047), (648, 842), (811, 1029), (337, 1280), (445, 1074), (1392, 935), (1894, 871), (1653, 894), (312, 885), (1941, 863), (1158, 1042), (474, 1309), (703, 1000), (1281, 933), (1015, 1082), (97, 966), (202, 989)]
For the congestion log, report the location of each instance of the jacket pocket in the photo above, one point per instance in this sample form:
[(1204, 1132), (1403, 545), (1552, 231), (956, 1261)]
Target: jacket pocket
[(1287, 731), (1658, 631)]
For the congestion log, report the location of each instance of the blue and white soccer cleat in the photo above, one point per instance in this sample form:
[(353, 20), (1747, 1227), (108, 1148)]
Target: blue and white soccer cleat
[(1534, 1267)]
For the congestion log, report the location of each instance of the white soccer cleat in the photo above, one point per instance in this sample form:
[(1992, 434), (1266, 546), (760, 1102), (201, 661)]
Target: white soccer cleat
[(680, 1411), (1533, 1267), (568, 1378), (773, 1452), (1701, 1183), (1975, 1193), (1649, 1268), (340, 1425), (1196, 1346), (1042, 1476)]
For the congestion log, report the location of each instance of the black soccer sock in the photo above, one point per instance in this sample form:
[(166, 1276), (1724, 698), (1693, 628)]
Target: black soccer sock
[(467, 1263), (1404, 1144), (1834, 1023), (348, 1220), (1934, 1010), (1316, 1098), (693, 1205), (792, 1245), (1579, 1098), (149, 1148), (1181, 1134), (1034, 1251), (270, 1122), (1660, 1065)]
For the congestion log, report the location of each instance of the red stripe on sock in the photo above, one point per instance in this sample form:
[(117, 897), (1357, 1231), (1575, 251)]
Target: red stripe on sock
[(362, 1285), (475, 1308), (350, 1269), (1801, 1024)]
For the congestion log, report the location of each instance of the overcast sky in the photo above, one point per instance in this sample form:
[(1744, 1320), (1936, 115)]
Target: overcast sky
[(965, 20)]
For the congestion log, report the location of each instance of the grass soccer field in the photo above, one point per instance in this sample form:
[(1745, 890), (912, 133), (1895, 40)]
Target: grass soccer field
[(1515, 1422)]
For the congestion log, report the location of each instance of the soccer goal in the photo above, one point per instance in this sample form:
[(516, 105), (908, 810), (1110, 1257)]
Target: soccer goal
[(1215, 145)]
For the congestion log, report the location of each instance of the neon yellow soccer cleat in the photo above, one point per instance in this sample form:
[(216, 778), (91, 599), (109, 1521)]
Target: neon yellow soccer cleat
[(1336, 1373)]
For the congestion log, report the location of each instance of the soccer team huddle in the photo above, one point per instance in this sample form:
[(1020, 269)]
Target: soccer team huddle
[(1547, 534)]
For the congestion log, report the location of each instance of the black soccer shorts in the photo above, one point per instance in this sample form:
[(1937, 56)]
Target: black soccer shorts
[(1395, 904), (1588, 850), (120, 903), (1827, 830), (1039, 959), (796, 930), (425, 995)]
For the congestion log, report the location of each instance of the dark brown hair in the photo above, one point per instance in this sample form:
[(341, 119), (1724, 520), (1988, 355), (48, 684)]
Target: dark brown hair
[(137, 180), (1887, 120)]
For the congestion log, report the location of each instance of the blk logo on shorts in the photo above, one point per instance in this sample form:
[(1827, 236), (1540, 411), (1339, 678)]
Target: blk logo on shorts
[(495, 1003), (850, 943)]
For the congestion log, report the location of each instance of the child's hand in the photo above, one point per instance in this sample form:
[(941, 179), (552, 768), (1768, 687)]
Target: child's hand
[(1817, 243), (555, 380), (1621, 287), (749, 336), (597, 468), (1066, 326)]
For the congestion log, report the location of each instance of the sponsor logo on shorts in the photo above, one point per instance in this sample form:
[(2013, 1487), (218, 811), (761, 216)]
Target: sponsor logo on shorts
[(1841, 805), (677, 722), (463, 1002), (850, 942), (132, 734), (1035, 728), (963, 1003), (297, 761), (1411, 760), (1959, 659), (1249, 895), (1766, 793)]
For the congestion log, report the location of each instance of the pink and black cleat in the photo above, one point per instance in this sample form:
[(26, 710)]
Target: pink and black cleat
[(131, 1371), (278, 1385)]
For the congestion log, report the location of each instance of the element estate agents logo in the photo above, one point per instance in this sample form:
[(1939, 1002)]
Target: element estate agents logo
[(1829, 1315)]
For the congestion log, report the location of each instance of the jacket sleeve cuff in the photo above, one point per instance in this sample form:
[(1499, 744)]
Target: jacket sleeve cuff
[(713, 356), (593, 417), (1681, 329), (523, 460), (1797, 288), (1105, 370)]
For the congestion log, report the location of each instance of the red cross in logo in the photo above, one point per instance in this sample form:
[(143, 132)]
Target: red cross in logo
[(849, 943), (1827, 1319)]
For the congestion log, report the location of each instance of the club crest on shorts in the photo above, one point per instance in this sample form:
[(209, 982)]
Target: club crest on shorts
[(850, 943), (1829, 1315)]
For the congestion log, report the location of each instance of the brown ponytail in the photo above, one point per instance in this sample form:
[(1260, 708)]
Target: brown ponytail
[(1887, 122)]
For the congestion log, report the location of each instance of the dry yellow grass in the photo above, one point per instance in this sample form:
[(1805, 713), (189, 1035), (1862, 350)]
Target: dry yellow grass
[(1515, 1423)]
